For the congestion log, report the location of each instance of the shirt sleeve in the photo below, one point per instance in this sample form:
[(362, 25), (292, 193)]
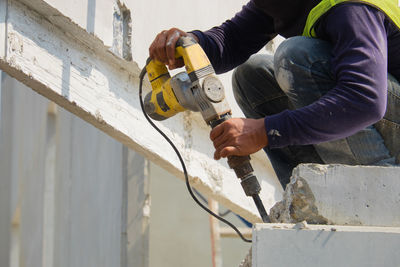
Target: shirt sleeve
[(232, 43), (359, 64)]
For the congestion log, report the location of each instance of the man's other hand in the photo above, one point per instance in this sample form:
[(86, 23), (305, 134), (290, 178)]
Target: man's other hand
[(239, 137), (163, 47)]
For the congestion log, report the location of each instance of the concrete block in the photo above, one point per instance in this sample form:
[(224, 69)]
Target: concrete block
[(342, 195), (322, 245)]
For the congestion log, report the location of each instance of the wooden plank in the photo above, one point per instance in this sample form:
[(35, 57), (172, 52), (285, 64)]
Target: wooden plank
[(61, 61)]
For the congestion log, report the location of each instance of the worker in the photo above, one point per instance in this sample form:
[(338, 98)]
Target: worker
[(329, 94)]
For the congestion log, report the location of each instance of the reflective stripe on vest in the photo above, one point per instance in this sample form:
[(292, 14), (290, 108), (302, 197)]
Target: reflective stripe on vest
[(390, 7)]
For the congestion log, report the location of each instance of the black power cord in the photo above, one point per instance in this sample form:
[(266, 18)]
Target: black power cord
[(141, 76), (222, 214)]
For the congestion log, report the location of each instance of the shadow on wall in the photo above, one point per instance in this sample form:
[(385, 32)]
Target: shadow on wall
[(90, 22), (91, 16)]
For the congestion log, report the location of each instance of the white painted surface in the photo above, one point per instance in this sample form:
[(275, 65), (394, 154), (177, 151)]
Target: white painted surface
[(89, 190), (317, 245), (179, 228), (95, 16), (5, 192), (355, 195), (5, 187), (135, 238), (65, 189), (23, 151), (50, 186), (3, 27), (102, 89), (5, 181)]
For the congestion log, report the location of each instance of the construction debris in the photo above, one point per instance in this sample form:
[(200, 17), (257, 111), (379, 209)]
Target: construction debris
[(247, 261)]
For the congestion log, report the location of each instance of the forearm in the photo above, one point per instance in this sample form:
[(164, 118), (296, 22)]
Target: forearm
[(359, 65), (232, 43)]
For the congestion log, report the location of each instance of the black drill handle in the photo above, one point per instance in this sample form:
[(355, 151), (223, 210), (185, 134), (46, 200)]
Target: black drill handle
[(241, 165), (244, 171)]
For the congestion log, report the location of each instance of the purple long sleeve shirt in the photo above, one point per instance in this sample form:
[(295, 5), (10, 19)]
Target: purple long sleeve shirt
[(366, 46)]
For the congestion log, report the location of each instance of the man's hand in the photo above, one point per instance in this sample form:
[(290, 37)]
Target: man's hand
[(163, 47), (239, 137)]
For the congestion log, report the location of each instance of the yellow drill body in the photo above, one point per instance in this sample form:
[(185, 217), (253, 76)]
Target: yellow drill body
[(162, 96), (165, 100), (197, 89)]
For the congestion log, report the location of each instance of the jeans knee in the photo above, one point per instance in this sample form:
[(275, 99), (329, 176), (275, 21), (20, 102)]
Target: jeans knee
[(290, 53), (250, 70), (293, 49), (301, 64), (238, 79), (245, 77)]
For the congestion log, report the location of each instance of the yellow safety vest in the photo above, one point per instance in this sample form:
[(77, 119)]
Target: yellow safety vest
[(390, 7)]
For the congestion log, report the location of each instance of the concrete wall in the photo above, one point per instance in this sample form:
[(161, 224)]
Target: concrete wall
[(69, 196), (179, 228), (279, 245), (69, 181), (177, 223)]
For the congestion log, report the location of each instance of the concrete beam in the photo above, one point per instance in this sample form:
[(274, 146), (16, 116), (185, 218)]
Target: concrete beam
[(340, 194), (317, 245), (63, 62)]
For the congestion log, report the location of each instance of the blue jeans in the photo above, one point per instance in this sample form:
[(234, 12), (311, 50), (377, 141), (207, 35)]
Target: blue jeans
[(297, 75)]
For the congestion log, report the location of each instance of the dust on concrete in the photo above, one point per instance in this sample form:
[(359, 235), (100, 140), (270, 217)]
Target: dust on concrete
[(187, 126), (298, 205)]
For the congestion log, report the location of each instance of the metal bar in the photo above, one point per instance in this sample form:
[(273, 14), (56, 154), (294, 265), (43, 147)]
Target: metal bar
[(261, 209)]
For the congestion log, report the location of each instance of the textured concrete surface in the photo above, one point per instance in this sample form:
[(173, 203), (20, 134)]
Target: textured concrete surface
[(317, 245), (340, 194), (60, 60)]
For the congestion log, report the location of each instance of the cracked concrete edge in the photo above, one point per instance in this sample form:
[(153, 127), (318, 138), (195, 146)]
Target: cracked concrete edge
[(298, 204), (247, 262), (316, 194)]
